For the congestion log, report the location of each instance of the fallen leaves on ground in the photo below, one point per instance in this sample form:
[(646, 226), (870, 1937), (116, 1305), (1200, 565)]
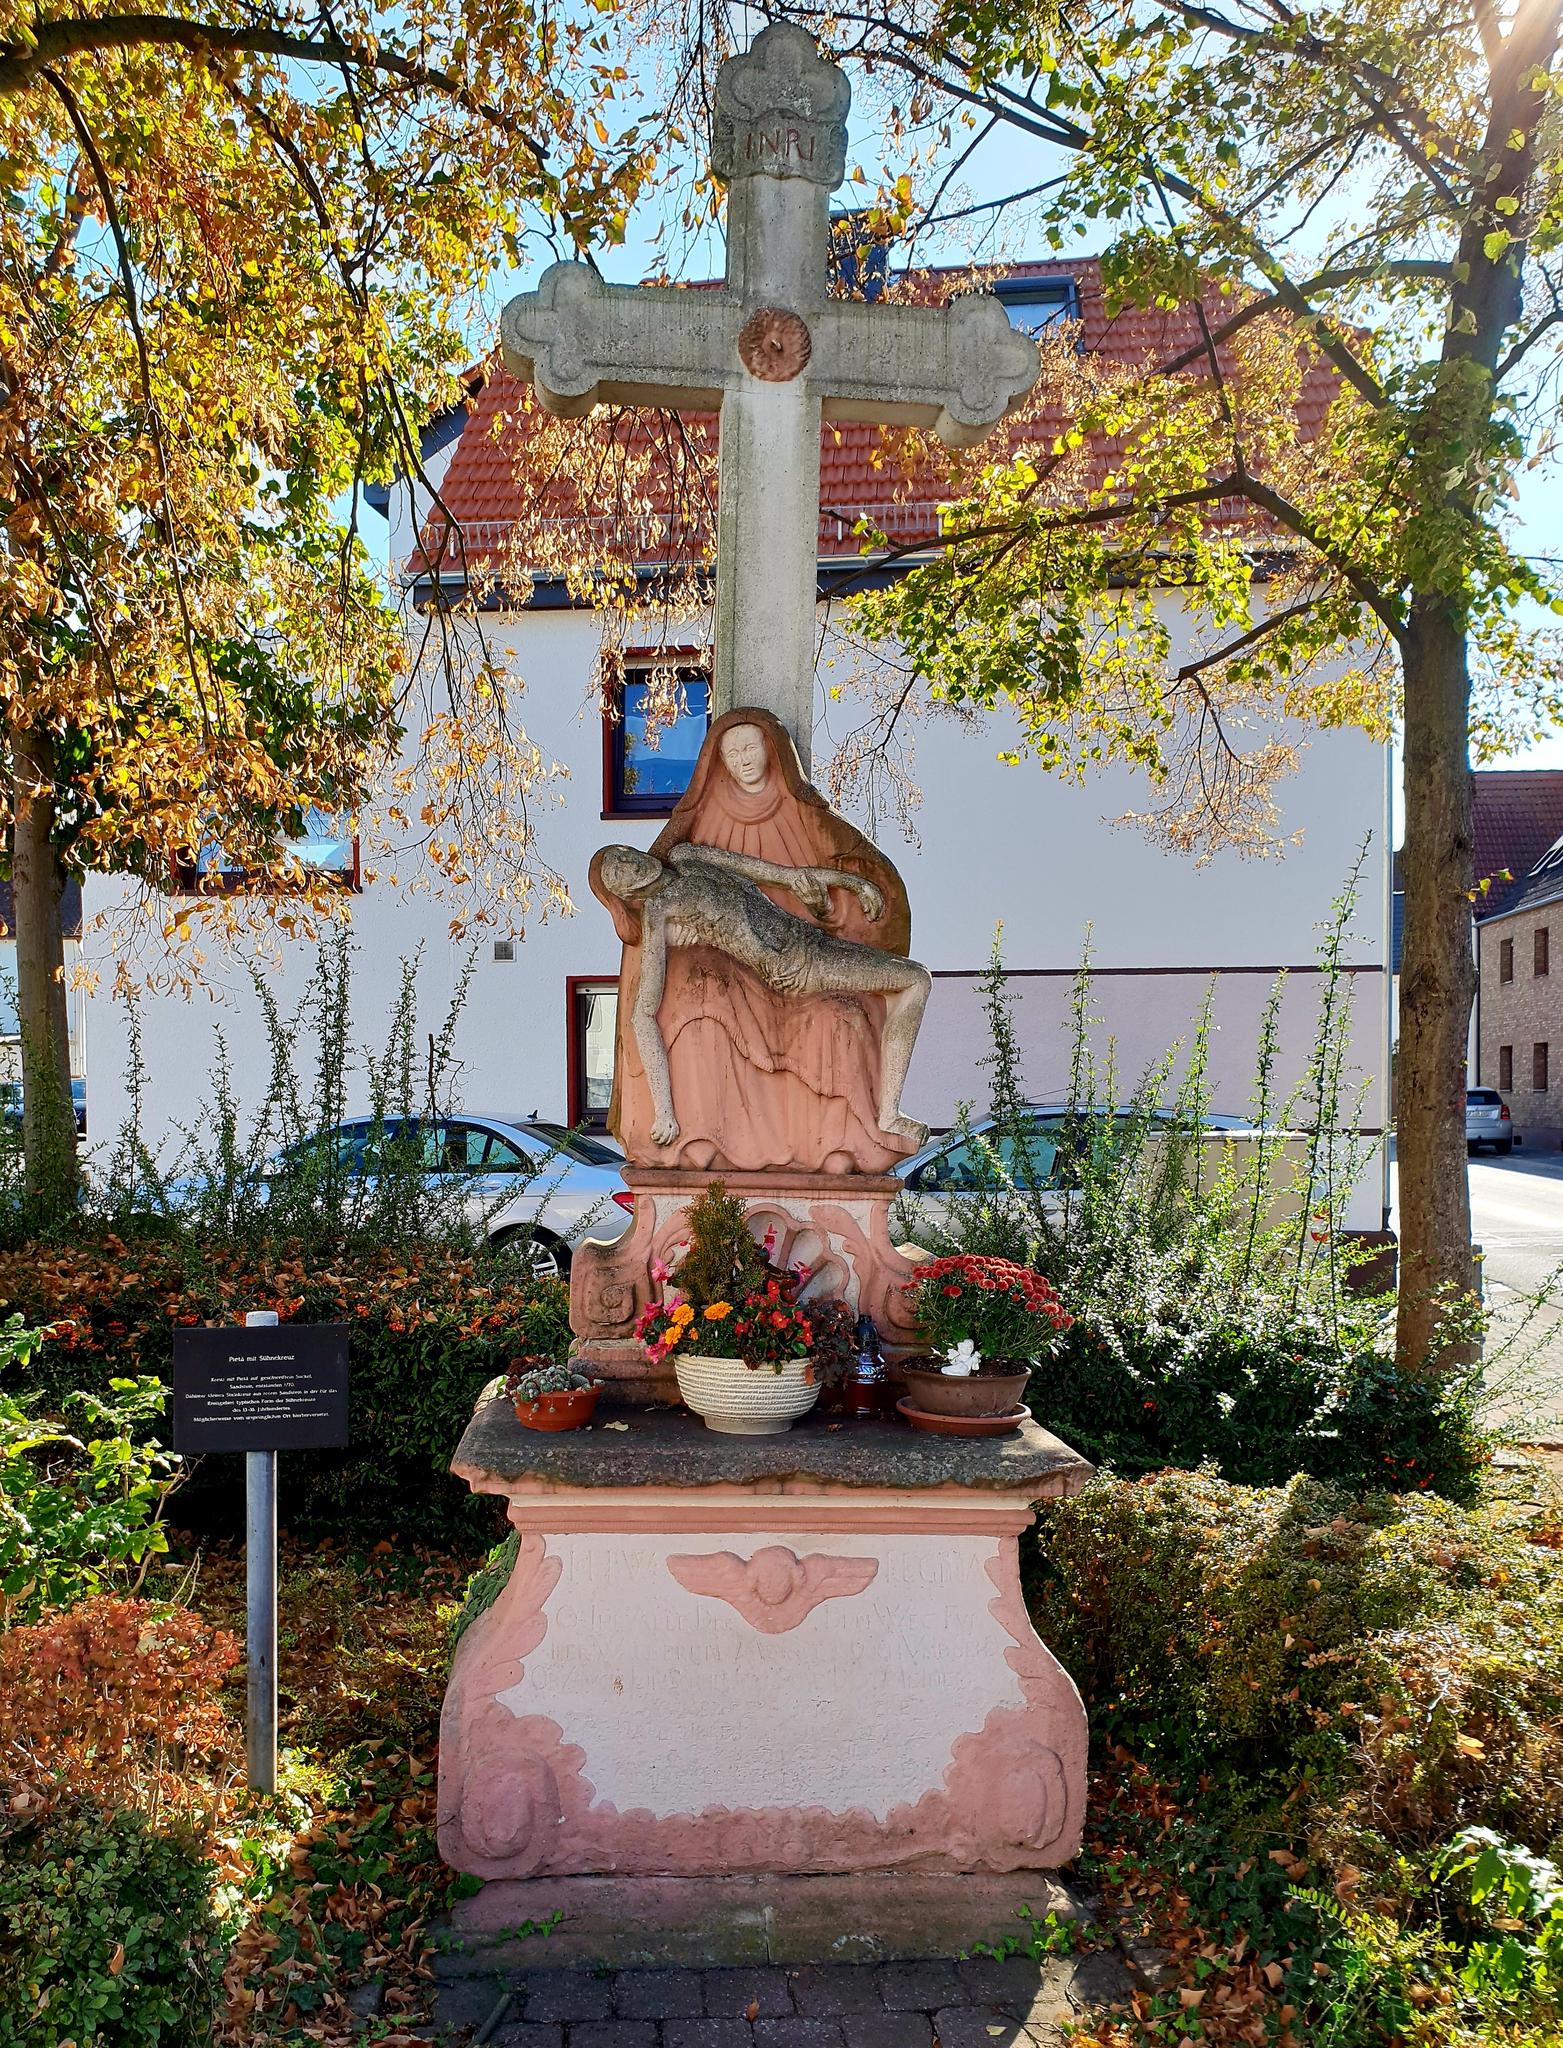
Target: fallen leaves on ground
[(333, 1881), (1229, 1992)]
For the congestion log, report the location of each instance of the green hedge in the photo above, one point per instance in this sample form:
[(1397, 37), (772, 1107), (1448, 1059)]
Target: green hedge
[(1390, 1669), (107, 1934), (1280, 1395), (429, 1328), (1329, 1741)]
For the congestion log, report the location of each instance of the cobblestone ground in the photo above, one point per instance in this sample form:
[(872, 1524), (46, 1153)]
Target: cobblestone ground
[(979, 2003)]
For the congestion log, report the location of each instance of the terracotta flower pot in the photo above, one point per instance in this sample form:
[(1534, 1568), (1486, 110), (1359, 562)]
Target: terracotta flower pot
[(570, 1409), (744, 1400), (994, 1390)]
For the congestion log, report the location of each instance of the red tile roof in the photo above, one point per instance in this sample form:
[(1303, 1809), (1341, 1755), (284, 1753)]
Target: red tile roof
[(1518, 815), (863, 469)]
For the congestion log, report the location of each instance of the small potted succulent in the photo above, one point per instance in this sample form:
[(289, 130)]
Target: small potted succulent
[(550, 1395), (740, 1342), (988, 1321)]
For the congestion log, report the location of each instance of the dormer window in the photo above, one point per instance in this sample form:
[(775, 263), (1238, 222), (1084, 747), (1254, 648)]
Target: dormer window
[(327, 851), (1036, 303), (859, 256)]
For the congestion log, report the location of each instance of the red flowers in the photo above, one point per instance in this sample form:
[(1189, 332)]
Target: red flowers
[(773, 1329), (766, 1327), (1006, 1310)]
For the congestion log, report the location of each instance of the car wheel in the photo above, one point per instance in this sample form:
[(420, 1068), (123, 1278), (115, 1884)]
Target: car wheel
[(1472, 1147), (1504, 1147), (542, 1255)]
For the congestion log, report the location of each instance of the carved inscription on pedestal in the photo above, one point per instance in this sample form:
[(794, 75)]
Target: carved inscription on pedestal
[(676, 1696)]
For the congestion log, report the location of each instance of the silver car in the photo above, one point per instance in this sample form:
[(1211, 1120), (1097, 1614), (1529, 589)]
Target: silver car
[(539, 1187), (1488, 1121), (954, 1165)]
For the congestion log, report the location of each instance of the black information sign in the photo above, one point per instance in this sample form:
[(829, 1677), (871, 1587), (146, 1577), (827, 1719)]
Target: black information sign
[(277, 1389)]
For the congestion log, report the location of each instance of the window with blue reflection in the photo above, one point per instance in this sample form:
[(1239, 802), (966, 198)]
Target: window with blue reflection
[(326, 847), (651, 769), (1036, 303)]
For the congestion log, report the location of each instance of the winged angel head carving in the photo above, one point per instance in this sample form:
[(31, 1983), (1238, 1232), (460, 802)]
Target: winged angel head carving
[(775, 1589)]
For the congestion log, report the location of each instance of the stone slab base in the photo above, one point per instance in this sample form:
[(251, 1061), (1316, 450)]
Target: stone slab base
[(680, 1922)]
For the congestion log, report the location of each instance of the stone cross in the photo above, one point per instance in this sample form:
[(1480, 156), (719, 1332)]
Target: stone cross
[(773, 354)]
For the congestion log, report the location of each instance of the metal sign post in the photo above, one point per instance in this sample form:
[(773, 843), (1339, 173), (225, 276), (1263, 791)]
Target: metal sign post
[(260, 1390), (260, 1577)]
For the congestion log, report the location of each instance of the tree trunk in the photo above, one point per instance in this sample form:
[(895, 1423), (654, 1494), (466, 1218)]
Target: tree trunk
[(1437, 984), (37, 889), (1438, 971)]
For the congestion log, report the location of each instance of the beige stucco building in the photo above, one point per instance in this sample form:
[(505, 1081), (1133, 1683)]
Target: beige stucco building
[(1520, 1022)]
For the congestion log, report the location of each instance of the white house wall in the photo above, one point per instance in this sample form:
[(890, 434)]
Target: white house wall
[(998, 843)]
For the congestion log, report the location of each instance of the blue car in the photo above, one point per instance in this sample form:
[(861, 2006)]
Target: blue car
[(11, 1103)]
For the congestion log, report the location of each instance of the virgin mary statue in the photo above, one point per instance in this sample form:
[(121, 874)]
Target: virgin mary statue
[(763, 1080)]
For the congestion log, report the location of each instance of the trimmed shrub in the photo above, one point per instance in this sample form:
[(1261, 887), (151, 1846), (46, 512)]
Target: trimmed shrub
[(430, 1326), (1141, 1386), (108, 1937), (1391, 1669)]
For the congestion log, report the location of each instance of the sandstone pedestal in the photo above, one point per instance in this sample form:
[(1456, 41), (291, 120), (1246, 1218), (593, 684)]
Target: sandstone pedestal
[(766, 1656)]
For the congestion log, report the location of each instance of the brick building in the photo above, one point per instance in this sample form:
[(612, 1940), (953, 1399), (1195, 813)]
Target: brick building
[(1516, 815), (1520, 1015)]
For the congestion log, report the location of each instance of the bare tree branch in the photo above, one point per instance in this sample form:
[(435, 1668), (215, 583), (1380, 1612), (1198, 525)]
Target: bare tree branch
[(1191, 669), (1324, 280)]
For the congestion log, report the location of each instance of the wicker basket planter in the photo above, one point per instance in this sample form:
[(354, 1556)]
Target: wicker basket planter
[(743, 1400)]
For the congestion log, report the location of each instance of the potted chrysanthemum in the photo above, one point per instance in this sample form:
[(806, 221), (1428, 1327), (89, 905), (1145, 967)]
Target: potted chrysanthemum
[(737, 1339), (988, 1321)]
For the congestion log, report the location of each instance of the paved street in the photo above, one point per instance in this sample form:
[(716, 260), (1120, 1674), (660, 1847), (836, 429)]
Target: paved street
[(1517, 1218)]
